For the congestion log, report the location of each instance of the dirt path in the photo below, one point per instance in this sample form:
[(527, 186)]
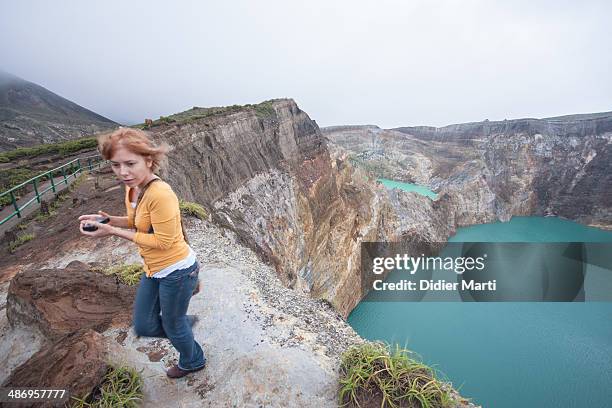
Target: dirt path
[(59, 234)]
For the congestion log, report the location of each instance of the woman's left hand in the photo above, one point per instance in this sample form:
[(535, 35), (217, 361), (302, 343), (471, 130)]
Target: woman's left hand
[(102, 231)]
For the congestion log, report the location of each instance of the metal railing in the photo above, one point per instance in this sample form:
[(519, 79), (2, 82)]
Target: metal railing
[(70, 169)]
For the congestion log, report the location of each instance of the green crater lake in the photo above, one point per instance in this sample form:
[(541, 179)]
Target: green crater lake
[(508, 355), (422, 190)]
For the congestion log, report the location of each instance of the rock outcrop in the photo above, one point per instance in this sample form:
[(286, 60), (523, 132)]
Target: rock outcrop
[(76, 363), (265, 345), (58, 302)]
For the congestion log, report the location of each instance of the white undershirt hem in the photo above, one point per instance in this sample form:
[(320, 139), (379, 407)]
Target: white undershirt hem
[(182, 264)]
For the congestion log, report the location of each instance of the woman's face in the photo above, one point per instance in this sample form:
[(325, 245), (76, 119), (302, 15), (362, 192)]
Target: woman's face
[(131, 168)]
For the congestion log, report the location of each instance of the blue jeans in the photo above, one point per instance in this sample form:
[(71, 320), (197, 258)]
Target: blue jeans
[(170, 296)]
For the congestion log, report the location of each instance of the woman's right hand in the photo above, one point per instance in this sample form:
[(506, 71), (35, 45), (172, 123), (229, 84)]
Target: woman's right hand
[(93, 217)]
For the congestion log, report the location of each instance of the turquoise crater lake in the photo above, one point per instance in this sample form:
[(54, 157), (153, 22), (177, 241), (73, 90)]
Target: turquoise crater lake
[(422, 190), (507, 355)]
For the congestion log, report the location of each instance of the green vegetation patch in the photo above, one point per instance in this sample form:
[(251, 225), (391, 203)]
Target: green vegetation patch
[(62, 148), (128, 274), (192, 209), (121, 387), (262, 110), (265, 110), (21, 239), (373, 375)]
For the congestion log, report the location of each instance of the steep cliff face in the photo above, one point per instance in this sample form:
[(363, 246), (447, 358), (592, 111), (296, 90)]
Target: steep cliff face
[(494, 170), (266, 173)]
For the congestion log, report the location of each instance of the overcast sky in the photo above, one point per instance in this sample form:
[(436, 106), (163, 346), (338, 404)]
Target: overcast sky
[(390, 63)]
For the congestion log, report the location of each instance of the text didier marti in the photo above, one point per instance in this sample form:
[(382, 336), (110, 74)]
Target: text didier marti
[(412, 264)]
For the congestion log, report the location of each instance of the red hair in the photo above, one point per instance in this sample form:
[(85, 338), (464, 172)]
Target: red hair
[(136, 141)]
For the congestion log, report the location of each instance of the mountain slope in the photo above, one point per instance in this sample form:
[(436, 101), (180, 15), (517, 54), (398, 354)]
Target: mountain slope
[(32, 115)]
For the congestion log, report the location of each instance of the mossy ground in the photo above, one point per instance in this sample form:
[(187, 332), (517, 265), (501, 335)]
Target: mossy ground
[(21, 239), (193, 209)]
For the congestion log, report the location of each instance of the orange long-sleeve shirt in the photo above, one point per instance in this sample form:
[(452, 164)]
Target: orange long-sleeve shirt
[(159, 207)]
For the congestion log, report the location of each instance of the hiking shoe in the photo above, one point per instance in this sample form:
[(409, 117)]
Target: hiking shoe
[(177, 372)]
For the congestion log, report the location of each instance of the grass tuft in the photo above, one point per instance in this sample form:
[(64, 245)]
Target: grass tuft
[(371, 374), (121, 387), (21, 239), (128, 274), (193, 209)]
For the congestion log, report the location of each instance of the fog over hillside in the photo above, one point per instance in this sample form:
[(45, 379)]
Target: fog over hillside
[(32, 115)]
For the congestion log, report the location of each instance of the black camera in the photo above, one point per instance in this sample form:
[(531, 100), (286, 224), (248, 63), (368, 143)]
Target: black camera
[(91, 227)]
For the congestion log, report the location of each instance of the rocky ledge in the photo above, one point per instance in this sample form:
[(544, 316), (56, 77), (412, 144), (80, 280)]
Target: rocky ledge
[(266, 345), (61, 301)]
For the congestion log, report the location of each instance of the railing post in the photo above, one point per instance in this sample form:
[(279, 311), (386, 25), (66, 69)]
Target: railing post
[(89, 164), (52, 182), (64, 174), (15, 205), (36, 190), (79, 168)]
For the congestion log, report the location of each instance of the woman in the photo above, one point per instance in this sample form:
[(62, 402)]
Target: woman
[(171, 268)]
